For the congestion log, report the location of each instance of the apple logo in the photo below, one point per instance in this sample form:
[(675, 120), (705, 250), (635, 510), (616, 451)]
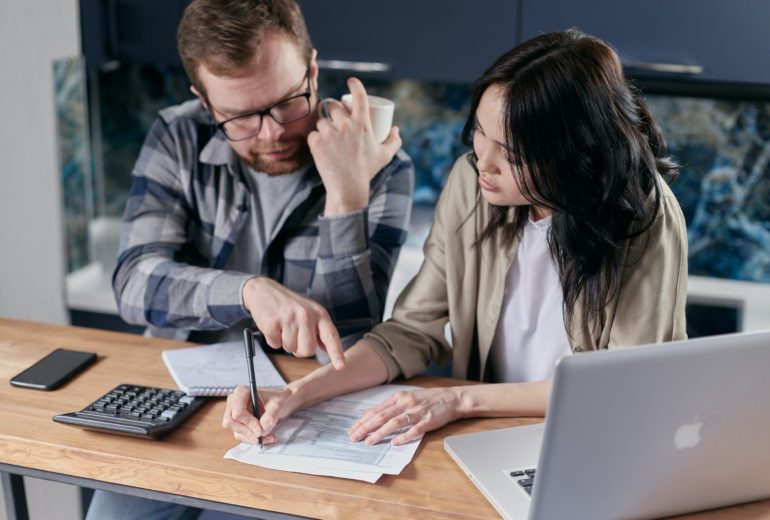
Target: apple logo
[(688, 435)]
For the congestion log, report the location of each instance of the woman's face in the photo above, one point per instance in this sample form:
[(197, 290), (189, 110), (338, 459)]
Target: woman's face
[(496, 177)]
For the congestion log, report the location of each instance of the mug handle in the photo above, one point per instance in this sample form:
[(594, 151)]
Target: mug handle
[(323, 108)]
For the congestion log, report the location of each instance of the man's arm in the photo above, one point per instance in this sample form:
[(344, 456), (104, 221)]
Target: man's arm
[(350, 277), (358, 252), (364, 222), (152, 284)]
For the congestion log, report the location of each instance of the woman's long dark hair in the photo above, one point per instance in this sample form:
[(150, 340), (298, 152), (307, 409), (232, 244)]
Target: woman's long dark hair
[(583, 144)]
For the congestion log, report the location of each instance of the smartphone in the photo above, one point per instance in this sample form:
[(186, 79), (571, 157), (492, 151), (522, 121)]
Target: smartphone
[(54, 370)]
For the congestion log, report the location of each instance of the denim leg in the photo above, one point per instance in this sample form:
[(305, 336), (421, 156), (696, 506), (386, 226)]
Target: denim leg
[(107, 505)]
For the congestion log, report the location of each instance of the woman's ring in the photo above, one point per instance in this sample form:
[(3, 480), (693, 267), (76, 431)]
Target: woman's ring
[(408, 420)]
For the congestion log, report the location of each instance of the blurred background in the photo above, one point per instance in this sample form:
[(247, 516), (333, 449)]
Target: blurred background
[(83, 80)]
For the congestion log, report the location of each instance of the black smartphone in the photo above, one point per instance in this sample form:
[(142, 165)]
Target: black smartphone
[(54, 370)]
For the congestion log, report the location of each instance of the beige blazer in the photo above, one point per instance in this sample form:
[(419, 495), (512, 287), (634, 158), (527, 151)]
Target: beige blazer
[(463, 284)]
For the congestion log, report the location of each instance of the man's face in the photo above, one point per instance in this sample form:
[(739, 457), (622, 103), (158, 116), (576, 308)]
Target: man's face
[(278, 72)]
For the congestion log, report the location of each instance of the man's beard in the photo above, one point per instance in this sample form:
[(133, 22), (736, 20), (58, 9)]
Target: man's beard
[(299, 157)]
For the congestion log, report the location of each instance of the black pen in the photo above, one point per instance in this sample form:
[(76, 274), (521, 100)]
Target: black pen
[(248, 340)]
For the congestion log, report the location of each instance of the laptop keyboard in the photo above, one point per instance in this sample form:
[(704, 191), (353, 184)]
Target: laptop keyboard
[(525, 478)]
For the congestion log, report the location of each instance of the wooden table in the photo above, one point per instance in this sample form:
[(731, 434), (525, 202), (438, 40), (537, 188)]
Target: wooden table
[(187, 466)]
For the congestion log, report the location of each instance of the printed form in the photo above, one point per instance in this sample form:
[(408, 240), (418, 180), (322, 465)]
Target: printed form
[(315, 441)]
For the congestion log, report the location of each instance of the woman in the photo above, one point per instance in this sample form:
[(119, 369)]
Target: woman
[(557, 234)]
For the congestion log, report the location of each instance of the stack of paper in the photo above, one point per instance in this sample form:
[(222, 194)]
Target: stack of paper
[(315, 441)]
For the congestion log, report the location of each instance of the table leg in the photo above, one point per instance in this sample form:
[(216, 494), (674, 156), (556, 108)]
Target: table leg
[(15, 499), (86, 494)]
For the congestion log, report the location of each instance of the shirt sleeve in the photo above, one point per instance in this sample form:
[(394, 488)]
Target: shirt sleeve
[(415, 335), (650, 307), (151, 286), (358, 252)]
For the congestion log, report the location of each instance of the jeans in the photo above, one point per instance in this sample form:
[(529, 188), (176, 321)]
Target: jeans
[(107, 505)]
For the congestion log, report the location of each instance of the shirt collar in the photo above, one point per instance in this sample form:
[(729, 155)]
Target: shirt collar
[(543, 224), (218, 151)]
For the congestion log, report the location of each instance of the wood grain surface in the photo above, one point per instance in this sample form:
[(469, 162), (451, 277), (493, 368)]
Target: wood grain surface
[(190, 462)]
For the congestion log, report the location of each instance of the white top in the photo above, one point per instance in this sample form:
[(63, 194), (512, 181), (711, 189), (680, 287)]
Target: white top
[(531, 335)]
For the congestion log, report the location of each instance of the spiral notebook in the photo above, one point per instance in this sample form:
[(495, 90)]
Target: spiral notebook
[(218, 369)]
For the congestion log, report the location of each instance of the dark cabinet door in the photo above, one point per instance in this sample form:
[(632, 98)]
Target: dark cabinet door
[(449, 40), (131, 31), (714, 40)]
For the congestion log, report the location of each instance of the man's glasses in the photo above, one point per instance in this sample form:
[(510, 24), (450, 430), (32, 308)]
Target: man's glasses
[(289, 110)]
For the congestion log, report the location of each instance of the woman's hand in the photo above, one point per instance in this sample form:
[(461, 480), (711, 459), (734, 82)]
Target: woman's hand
[(419, 410), (275, 404)]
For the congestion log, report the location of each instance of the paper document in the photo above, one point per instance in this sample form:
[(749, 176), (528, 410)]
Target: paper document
[(218, 369), (315, 441)]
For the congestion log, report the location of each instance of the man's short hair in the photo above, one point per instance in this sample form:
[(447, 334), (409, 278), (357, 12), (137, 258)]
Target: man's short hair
[(225, 34)]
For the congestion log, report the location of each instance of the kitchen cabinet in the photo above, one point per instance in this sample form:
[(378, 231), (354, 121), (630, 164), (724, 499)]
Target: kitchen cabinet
[(131, 31), (456, 40), (449, 40), (702, 40)]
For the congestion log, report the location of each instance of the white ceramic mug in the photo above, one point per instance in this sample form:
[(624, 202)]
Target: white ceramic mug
[(380, 114)]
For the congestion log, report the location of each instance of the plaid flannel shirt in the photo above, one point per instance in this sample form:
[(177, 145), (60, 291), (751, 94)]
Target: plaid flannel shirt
[(187, 204)]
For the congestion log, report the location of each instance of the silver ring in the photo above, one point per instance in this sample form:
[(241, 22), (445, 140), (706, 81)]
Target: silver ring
[(408, 420)]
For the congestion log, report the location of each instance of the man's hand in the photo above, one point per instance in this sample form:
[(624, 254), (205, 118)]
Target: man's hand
[(346, 153), (290, 321)]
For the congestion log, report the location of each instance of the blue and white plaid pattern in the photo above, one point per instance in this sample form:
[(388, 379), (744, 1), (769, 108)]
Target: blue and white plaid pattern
[(187, 204)]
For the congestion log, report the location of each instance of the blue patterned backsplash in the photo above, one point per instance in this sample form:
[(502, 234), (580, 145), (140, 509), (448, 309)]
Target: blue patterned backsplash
[(74, 157), (724, 150), (723, 147)]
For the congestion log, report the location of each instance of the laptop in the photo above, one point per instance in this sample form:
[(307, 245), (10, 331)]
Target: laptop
[(641, 432)]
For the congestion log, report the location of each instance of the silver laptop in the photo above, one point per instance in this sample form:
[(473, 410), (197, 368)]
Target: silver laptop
[(636, 433)]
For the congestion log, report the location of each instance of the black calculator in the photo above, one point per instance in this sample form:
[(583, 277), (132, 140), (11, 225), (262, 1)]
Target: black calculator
[(140, 411)]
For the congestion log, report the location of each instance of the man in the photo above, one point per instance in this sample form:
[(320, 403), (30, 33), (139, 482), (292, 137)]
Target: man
[(243, 207)]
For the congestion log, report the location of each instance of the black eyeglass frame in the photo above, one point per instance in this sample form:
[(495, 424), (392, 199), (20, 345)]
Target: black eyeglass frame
[(268, 112)]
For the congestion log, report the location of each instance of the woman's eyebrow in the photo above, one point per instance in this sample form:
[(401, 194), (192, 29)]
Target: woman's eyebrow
[(498, 143)]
